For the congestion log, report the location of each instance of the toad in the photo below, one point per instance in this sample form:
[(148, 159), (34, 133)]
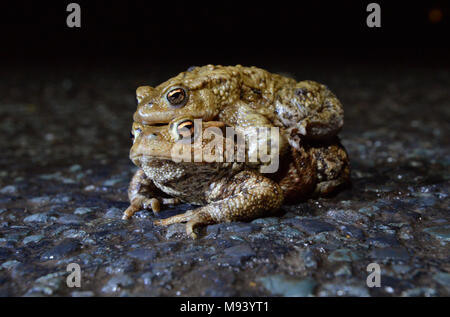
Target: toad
[(306, 114)]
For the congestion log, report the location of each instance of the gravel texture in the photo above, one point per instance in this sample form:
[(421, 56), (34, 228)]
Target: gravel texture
[(64, 172)]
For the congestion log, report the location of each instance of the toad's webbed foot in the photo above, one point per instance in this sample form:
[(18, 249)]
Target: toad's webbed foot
[(245, 196), (153, 204), (193, 219), (140, 193), (143, 202)]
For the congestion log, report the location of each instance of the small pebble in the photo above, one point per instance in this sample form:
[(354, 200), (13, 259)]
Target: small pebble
[(83, 210)]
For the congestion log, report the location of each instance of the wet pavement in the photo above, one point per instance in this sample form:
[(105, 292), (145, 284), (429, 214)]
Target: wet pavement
[(64, 172)]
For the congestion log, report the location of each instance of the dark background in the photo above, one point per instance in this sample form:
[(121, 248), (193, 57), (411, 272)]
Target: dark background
[(222, 31)]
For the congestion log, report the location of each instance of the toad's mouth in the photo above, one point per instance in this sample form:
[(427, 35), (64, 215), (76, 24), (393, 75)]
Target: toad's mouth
[(158, 161), (138, 159), (158, 124), (205, 124)]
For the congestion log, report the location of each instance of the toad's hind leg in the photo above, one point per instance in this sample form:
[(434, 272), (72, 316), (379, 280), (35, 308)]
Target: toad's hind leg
[(332, 166), (245, 196)]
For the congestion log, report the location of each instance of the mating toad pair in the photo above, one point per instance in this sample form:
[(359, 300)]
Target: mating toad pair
[(312, 161)]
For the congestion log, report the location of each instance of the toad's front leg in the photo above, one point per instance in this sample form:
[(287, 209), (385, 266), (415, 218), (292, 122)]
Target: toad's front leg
[(245, 196), (141, 194)]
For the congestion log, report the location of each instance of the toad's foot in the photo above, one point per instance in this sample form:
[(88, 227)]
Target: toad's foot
[(141, 193), (194, 218), (141, 202), (247, 195)]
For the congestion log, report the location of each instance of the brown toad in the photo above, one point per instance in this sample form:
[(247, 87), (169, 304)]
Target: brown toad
[(308, 115)]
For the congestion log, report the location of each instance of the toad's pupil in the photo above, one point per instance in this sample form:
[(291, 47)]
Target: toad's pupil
[(186, 128), (186, 124), (176, 96)]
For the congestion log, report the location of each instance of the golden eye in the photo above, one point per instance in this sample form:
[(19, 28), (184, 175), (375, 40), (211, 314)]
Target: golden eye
[(182, 130), (177, 97), (186, 129)]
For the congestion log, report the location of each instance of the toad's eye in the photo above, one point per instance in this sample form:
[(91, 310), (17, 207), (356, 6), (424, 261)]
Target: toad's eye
[(186, 129), (182, 130), (177, 97)]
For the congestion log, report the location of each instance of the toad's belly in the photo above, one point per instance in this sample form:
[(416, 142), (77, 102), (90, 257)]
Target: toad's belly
[(190, 182), (186, 191)]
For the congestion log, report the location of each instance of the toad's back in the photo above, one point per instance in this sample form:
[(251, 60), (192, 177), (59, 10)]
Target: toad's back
[(304, 108)]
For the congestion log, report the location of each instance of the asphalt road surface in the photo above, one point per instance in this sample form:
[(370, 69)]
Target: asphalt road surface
[(64, 171)]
